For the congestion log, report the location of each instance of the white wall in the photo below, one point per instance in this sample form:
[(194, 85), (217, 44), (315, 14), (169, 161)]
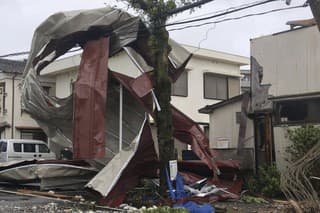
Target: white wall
[(63, 83), (290, 60), (195, 100), (20, 119), (223, 125)]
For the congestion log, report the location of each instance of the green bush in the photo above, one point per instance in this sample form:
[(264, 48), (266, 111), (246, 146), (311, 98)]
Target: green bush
[(167, 209), (303, 139), (267, 182), (270, 181)]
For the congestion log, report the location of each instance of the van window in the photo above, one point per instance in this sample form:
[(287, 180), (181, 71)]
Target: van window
[(3, 146), (43, 148), (17, 147), (29, 147)]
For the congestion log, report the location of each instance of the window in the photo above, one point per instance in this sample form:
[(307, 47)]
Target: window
[(3, 146), (238, 117), (29, 147), (17, 147), (180, 87), (2, 98), (215, 86), (43, 148), (297, 111), (33, 134)]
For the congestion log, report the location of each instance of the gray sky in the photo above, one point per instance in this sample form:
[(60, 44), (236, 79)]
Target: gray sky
[(19, 18)]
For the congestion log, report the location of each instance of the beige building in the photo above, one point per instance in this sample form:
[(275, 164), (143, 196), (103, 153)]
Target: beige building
[(224, 134), (15, 123), (290, 62), (290, 65), (211, 77)]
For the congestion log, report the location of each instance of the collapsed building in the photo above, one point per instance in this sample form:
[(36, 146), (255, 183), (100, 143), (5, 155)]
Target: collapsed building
[(106, 119)]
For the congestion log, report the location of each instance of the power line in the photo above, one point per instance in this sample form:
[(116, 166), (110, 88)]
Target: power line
[(27, 52), (218, 11), (241, 7), (223, 13), (239, 17)]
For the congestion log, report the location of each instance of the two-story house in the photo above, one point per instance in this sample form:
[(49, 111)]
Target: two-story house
[(290, 62), (210, 77), (14, 123)]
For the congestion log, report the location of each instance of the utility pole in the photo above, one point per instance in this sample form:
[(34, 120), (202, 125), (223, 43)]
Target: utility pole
[(158, 13)]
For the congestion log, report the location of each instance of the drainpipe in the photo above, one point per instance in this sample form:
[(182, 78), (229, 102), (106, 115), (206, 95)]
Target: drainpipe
[(12, 106)]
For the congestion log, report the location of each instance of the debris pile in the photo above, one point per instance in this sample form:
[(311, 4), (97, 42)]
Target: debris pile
[(106, 119)]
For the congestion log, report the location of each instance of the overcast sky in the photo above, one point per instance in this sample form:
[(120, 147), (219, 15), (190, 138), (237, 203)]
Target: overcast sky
[(19, 18)]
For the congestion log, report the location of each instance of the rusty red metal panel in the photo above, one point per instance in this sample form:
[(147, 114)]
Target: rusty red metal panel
[(185, 129), (142, 85), (90, 91)]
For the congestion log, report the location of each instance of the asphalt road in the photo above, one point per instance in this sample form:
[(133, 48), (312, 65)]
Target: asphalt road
[(11, 202)]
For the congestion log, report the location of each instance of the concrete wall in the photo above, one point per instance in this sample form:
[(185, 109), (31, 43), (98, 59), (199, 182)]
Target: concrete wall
[(223, 126), (282, 141), (290, 60)]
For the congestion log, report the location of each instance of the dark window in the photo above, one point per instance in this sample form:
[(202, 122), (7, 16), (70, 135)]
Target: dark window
[(2, 98), (17, 147), (238, 117), (43, 148), (180, 87), (29, 147), (297, 111), (215, 86), (33, 134), (206, 131), (3, 147)]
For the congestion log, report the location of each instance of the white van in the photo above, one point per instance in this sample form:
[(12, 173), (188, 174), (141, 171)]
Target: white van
[(23, 149)]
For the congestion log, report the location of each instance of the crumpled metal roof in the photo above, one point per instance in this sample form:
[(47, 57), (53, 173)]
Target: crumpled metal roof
[(65, 30)]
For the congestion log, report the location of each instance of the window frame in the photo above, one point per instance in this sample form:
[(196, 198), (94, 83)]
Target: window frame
[(1, 146), (282, 103), (219, 76), (24, 148), (44, 145), (186, 72), (21, 147), (3, 98)]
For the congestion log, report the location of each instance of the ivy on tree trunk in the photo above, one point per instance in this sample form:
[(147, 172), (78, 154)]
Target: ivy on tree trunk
[(159, 45)]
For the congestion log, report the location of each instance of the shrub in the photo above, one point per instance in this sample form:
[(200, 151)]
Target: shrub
[(267, 182), (303, 139)]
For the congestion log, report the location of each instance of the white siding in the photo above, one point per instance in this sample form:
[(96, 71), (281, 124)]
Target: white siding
[(290, 60), (195, 100), (223, 125)]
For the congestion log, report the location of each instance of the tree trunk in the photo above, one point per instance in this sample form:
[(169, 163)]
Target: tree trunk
[(315, 8), (160, 50)]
